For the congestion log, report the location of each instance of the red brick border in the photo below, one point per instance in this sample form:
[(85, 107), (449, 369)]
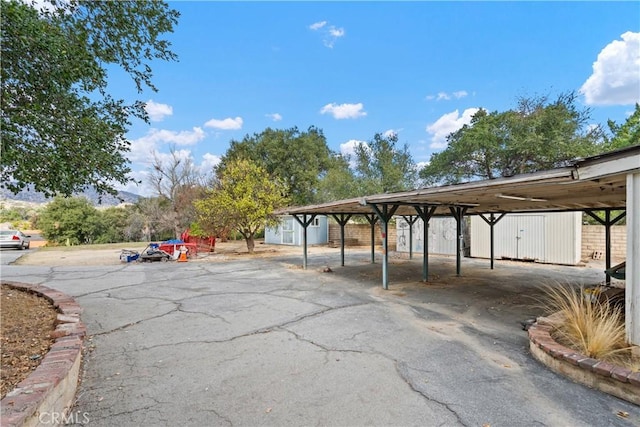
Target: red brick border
[(615, 380), (51, 388)]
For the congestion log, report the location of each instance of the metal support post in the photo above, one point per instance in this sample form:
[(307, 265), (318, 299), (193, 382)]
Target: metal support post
[(425, 213), (385, 214), (304, 223), (342, 220), (492, 221)]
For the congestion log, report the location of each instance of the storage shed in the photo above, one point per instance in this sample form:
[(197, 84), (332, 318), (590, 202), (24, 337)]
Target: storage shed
[(441, 235), (289, 232), (554, 238)]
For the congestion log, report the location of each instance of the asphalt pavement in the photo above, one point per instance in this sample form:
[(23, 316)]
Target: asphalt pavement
[(259, 341)]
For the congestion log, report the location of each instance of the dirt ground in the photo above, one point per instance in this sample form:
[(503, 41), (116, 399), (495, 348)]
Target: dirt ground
[(24, 344)]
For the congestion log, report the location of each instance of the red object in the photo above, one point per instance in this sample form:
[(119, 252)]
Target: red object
[(171, 248), (15, 238), (203, 244)]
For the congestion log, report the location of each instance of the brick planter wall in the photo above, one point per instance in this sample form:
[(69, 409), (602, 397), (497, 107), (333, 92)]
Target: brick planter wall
[(49, 392), (615, 380)]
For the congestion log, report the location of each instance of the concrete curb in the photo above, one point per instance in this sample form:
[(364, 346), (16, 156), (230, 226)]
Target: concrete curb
[(47, 394), (614, 380)]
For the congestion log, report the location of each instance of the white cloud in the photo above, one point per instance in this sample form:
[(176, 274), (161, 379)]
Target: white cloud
[(422, 165), (344, 111), (209, 161), (330, 34), (615, 79), (143, 147), (446, 124), (276, 117), (348, 150), (444, 96), (226, 124), (156, 111), (336, 32), (349, 147), (316, 26)]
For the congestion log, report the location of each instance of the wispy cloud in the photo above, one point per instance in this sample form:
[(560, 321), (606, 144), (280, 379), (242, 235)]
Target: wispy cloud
[(344, 111), (330, 33), (156, 111), (225, 124), (276, 117), (316, 26), (446, 124), (444, 96), (615, 73)]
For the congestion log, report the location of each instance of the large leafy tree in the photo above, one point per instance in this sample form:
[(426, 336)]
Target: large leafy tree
[(243, 198), (61, 129), (71, 221), (539, 134), (381, 166), (338, 182), (297, 158), (626, 134)]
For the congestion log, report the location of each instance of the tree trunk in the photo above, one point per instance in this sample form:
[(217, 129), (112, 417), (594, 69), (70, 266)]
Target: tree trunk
[(250, 242)]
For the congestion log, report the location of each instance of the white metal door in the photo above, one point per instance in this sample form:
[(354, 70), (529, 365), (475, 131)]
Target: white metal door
[(287, 231), (530, 238), (520, 237)]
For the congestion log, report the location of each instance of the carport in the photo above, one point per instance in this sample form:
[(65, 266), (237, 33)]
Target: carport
[(606, 182)]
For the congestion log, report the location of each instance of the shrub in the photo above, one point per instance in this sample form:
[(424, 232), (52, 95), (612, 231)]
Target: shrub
[(595, 329)]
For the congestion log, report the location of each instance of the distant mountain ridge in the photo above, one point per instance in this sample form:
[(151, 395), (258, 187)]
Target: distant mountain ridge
[(91, 194)]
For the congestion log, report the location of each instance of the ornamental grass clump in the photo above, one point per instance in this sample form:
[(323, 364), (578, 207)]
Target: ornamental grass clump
[(592, 327)]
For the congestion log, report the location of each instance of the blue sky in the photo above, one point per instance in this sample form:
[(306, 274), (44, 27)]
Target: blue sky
[(419, 69)]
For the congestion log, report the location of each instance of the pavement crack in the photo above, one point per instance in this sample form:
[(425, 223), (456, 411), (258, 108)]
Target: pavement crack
[(128, 325), (402, 368)]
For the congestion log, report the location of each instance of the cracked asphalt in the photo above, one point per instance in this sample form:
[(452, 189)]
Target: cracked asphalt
[(248, 342)]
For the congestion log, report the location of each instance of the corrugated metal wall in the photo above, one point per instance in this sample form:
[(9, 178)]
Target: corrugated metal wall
[(442, 236), (552, 237)]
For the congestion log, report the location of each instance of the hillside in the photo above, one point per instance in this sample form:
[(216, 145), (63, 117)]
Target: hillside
[(35, 198)]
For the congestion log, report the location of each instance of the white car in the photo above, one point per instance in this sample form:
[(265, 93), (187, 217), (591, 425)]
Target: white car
[(14, 239)]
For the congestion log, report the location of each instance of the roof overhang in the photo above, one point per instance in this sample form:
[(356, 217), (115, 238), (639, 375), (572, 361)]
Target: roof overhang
[(595, 183)]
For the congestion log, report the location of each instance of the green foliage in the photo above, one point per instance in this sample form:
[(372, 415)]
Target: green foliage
[(12, 214), (296, 158), (243, 198), (114, 222), (538, 135), (382, 167), (338, 182), (72, 221), (61, 130), (627, 134)]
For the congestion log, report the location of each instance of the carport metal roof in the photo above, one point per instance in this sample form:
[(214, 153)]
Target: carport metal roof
[(586, 185)]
